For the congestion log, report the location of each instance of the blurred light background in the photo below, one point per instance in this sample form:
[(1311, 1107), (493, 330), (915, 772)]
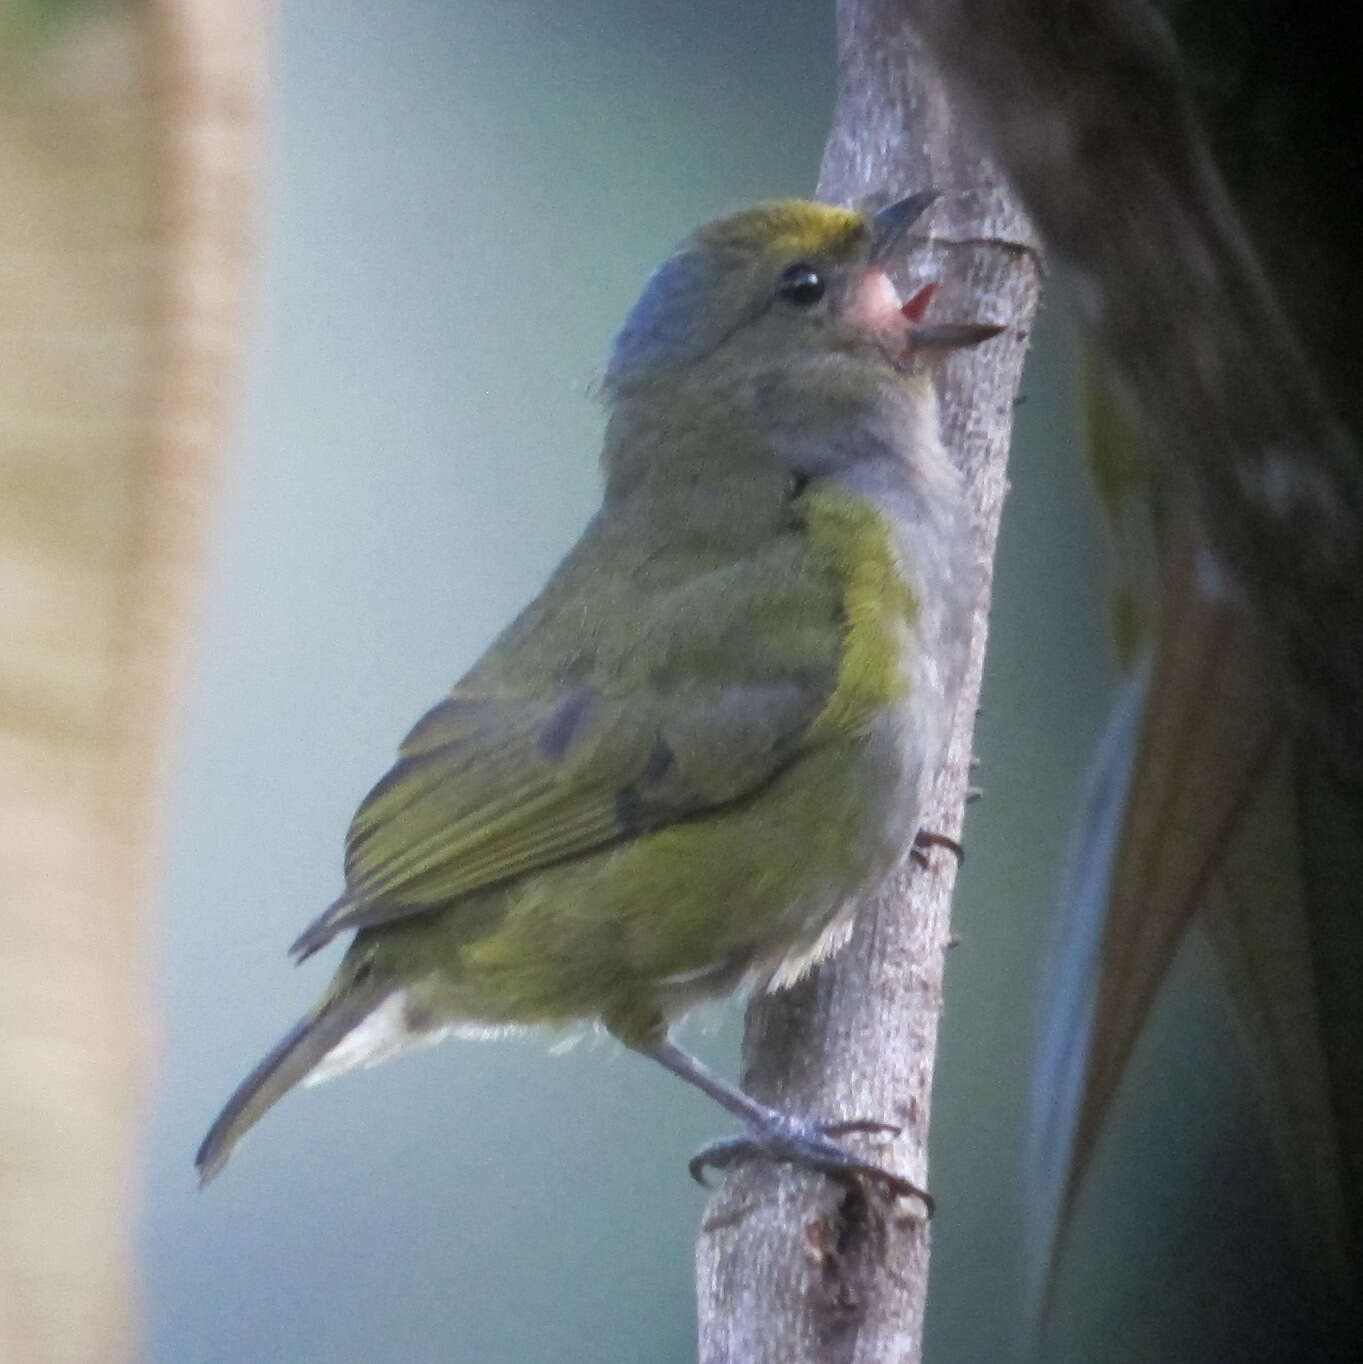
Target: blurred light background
[(463, 198)]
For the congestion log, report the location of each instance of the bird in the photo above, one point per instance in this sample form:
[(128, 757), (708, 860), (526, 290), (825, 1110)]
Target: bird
[(672, 773)]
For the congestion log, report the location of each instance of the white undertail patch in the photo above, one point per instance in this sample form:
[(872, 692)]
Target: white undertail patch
[(383, 1034)]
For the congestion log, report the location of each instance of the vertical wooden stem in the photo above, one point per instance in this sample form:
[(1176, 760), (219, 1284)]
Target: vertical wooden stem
[(790, 1266)]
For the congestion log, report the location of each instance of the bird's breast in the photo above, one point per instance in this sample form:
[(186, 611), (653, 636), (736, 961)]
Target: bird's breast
[(858, 547)]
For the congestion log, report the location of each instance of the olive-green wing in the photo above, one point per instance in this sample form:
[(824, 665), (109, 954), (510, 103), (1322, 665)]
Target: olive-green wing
[(491, 785)]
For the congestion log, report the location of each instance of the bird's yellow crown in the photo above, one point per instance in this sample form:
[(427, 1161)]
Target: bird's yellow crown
[(794, 226)]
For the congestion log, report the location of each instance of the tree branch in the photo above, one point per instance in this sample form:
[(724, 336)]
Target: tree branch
[(789, 1265)]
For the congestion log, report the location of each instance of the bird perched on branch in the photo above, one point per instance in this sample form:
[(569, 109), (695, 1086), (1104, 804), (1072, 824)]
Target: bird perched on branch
[(671, 774)]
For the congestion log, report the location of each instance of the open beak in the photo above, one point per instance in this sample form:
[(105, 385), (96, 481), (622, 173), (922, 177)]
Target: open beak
[(888, 229), (894, 220), (942, 335), (952, 335)]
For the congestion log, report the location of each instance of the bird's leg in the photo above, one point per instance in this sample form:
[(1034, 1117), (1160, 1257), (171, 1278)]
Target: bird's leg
[(925, 839), (773, 1135)]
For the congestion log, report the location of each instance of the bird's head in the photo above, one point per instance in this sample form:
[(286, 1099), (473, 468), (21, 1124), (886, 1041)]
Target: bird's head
[(773, 285)]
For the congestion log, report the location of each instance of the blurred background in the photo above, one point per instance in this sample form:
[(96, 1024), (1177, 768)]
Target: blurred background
[(461, 198)]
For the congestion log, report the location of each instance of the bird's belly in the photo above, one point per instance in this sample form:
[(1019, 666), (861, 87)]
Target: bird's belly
[(881, 803), (755, 893)]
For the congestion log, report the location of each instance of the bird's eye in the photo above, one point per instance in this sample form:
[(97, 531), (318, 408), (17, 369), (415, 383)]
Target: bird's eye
[(801, 285)]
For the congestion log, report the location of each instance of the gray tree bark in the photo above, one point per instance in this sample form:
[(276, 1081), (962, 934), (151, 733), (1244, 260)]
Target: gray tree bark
[(790, 1266)]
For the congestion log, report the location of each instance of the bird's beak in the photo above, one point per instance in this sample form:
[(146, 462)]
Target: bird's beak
[(894, 220), (952, 335), (942, 335)]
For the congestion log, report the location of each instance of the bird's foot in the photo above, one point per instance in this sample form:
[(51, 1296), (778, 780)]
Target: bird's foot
[(810, 1145), (925, 839)]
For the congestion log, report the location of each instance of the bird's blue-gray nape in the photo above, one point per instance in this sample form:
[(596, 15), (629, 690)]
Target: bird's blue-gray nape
[(670, 324)]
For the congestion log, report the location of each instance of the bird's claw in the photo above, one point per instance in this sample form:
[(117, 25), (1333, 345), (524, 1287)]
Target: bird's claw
[(925, 839), (809, 1145)]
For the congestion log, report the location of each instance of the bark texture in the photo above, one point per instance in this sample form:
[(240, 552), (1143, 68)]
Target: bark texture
[(790, 1266), (126, 159)]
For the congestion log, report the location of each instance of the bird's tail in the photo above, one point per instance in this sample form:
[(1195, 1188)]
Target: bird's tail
[(294, 1058)]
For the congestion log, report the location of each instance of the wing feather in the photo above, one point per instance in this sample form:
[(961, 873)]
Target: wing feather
[(470, 813), (568, 737)]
